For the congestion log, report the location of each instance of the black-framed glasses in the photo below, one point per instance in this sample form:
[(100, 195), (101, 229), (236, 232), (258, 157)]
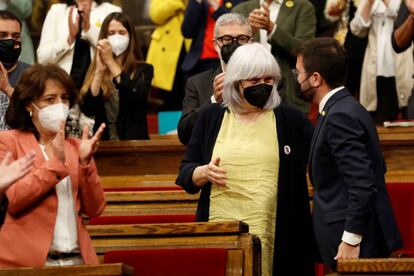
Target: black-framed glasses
[(228, 39)]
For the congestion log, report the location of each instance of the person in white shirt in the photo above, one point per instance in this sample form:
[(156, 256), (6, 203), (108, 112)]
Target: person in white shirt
[(386, 79)]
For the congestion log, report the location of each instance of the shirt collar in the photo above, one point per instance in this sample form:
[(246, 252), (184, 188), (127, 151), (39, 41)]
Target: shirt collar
[(326, 98)]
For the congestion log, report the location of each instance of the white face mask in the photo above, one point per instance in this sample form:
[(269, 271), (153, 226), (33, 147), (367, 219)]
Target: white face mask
[(119, 43), (51, 116)]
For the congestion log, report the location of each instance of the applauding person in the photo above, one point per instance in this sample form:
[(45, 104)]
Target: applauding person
[(118, 82), (43, 224)]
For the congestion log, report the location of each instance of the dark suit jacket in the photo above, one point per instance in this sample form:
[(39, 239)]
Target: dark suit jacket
[(194, 26), (295, 24), (347, 171), (294, 241), (198, 92)]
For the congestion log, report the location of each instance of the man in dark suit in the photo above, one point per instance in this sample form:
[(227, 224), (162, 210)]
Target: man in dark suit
[(352, 214), (231, 30)]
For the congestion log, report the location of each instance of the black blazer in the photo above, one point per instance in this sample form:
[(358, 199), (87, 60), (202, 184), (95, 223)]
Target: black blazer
[(294, 240), (198, 92), (347, 171), (133, 93)]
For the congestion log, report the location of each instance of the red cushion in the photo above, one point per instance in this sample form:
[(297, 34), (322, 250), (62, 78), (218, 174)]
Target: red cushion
[(141, 219), (319, 269), (402, 201), (152, 123), (135, 189), (182, 262)]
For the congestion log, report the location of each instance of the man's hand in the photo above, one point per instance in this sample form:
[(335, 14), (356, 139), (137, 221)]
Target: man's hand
[(346, 251), (4, 82), (218, 87)]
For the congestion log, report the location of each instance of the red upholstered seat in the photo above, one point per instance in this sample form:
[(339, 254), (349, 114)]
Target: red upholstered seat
[(137, 189), (402, 201), (141, 219), (172, 262)]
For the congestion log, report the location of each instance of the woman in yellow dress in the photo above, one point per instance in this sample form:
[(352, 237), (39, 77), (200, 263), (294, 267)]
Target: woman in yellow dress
[(248, 156)]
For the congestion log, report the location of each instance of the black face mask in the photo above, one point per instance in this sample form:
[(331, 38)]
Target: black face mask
[(257, 95), (9, 52), (227, 50), (305, 95)]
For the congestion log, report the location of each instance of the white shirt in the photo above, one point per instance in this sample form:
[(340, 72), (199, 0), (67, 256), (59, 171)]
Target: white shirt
[(327, 96), (65, 237), (274, 9), (382, 24), (349, 238)]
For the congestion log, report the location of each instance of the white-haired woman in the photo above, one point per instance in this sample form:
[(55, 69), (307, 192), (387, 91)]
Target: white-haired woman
[(248, 156)]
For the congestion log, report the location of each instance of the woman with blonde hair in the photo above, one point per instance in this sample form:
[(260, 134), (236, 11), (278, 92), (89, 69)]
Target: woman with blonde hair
[(118, 82), (248, 157)]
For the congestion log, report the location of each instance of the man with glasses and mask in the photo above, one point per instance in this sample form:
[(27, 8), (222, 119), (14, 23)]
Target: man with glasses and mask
[(231, 31), (10, 68), (352, 215)]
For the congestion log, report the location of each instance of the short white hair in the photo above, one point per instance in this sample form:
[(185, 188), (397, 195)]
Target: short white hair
[(250, 61), (231, 18)]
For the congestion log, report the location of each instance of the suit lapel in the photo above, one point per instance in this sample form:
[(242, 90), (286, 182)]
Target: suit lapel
[(319, 124), (283, 14), (28, 143)]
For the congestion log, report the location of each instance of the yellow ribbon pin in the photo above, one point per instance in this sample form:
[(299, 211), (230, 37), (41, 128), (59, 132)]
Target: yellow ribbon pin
[(289, 4), (323, 113), (98, 24), (228, 5)]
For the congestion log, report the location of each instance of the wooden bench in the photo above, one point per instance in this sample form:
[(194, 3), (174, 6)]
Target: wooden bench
[(397, 145), (82, 270), (391, 266), (132, 181), (129, 161), (243, 248), (150, 202), (139, 157)]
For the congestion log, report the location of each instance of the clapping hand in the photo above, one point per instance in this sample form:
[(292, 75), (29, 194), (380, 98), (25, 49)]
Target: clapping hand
[(260, 19), (218, 86), (88, 147), (55, 148), (10, 172)]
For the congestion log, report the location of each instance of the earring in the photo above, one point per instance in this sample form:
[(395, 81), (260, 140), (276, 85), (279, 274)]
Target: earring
[(30, 113)]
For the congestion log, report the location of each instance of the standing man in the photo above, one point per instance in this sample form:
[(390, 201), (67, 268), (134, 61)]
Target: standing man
[(10, 68), (282, 25), (352, 214), (231, 31)]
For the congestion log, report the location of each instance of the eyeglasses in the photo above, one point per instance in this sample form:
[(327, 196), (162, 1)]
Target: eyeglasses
[(228, 39), (296, 73)]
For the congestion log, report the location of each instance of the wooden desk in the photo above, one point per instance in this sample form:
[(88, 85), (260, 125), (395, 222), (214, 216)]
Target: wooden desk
[(86, 270), (231, 235), (389, 266), (140, 157), (150, 203)]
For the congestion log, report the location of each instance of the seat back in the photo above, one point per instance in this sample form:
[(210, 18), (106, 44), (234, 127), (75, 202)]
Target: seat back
[(172, 262), (104, 220), (402, 201)]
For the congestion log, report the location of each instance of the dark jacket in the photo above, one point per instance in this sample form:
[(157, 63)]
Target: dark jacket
[(198, 92), (347, 170), (132, 118), (294, 241)]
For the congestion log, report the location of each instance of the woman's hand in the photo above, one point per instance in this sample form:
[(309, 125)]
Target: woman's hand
[(100, 65), (105, 50), (55, 148), (88, 147), (210, 173), (10, 172)]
